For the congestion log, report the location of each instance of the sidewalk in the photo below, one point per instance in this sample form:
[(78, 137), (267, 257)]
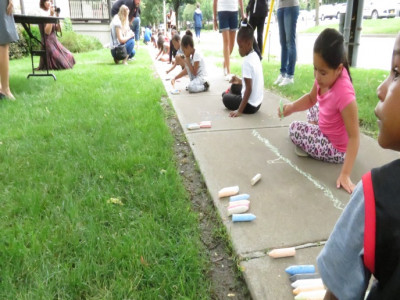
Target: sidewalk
[(296, 201)]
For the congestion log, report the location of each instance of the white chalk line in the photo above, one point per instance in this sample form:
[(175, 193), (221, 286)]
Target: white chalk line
[(327, 192)]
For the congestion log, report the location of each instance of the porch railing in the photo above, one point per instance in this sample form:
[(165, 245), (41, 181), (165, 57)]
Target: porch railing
[(90, 10)]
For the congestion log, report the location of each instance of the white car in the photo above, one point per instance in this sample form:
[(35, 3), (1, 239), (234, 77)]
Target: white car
[(379, 9)]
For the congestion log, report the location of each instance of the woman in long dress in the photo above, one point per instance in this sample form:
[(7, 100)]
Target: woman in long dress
[(8, 34), (58, 57)]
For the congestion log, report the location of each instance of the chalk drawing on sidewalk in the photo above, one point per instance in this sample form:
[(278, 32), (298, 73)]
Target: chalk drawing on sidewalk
[(275, 161), (327, 192)]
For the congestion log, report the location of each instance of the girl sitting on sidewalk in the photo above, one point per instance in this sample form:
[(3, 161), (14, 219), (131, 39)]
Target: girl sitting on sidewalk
[(246, 95), (332, 132), (195, 67)]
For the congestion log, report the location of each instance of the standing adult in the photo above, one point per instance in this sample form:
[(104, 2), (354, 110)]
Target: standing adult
[(198, 21), (257, 11), (134, 15), (8, 34), (228, 25), (287, 13)]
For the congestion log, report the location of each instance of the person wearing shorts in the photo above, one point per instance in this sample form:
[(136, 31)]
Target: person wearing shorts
[(226, 20)]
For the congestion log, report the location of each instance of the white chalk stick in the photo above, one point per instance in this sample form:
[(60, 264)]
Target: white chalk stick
[(192, 126), (239, 209), (306, 282), (255, 179), (283, 252), (314, 295), (228, 191)]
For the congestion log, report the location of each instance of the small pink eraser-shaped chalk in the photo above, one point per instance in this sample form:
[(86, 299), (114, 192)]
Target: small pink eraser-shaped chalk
[(308, 288), (283, 252), (239, 203), (255, 179), (205, 124), (237, 209), (192, 126), (312, 295), (228, 191)]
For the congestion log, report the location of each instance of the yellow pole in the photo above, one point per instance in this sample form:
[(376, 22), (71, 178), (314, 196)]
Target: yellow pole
[(271, 8)]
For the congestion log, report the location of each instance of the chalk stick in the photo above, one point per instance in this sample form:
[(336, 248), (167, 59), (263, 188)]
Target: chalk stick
[(308, 288), (228, 191), (205, 124), (243, 217), (306, 282), (300, 269), (192, 126), (239, 197), (239, 203), (283, 252), (314, 295), (175, 92), (304, 276), (255, 179), (281, 108), (238, 209)]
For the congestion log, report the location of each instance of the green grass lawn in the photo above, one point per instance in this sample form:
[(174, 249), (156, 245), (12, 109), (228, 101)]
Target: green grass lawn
[(378, 26), (365, 83), (66, 148)]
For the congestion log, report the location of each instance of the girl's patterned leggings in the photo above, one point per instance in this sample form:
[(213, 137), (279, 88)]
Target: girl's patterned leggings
[(309, 137)]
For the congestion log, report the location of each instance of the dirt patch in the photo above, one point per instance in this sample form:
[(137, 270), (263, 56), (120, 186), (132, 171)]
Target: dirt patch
[(227, 281)]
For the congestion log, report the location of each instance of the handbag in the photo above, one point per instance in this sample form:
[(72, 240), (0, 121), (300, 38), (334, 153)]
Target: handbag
[(120, 50)]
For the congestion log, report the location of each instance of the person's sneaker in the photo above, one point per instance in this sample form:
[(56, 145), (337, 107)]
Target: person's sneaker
[(229, 77), (206, 86), (279, 79), (286, 81), (300, 152)]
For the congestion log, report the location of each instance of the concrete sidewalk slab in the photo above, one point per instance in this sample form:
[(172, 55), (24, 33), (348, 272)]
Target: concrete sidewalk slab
[(296, 202), (273, 282)]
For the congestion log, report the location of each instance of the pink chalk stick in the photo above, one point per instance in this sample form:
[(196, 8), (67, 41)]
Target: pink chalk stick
[(239, 203), (283, 252), (239, 209), (308, 288), (205, 124)]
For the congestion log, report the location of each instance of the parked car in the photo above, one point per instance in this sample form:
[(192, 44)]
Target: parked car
[(330, 11), (374, 9)]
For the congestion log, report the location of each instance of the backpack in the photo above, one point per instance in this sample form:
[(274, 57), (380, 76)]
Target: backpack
[(257, 8)]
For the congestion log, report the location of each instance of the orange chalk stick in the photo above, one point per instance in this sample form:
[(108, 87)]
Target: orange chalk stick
[(283, 252)]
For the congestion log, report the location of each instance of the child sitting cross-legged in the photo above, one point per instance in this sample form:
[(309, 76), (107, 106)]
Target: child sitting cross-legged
[(246, 94)]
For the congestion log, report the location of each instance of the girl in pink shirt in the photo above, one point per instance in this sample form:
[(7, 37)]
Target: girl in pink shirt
[(331, 133)]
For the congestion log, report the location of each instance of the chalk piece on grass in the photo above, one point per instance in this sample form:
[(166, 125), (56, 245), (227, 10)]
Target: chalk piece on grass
[(243, 217), (255, 179), (306, 282), (283, 252), (205, 124), (304, 276), (308, 288), (228, 191), (239, 197), (300, 269), (314, 295), (192, 126)]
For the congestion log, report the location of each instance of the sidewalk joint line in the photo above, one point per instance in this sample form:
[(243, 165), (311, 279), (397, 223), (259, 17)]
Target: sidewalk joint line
[(327, 192)]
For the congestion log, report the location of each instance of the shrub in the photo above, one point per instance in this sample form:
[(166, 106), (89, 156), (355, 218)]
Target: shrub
[(20, 48), (67, 26), (77, 43), (208, 26)]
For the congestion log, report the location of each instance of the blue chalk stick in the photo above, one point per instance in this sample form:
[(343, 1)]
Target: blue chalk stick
[(239, 197), (300, 269), (243, 217)]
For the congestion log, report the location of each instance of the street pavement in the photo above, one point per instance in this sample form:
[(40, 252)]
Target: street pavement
[(296, 202)]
